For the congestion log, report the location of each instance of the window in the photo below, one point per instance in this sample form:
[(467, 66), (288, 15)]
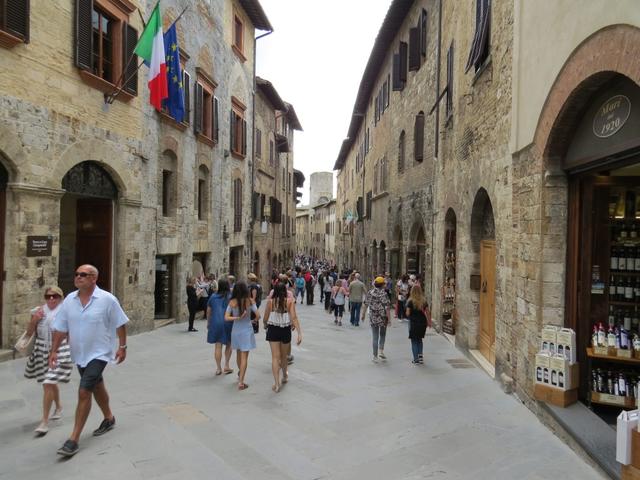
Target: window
[(383, 174), (449, 102), (401, 153), (238, 37), (237, 205), (418, 137), (271, 152), (205, 117), (186, 86), (14, 22), (414, 48), (480, 45), (400, 67), (404, 51), (369, 197), (167, 196), (423, 33), (167, 183), (238, 129), (104, 46), (375, 177), (258, 143)]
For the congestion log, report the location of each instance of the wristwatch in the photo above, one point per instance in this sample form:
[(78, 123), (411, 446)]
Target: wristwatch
[(123, 347)]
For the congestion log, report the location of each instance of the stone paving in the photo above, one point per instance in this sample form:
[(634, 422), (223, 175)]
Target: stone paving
[(340, 417)]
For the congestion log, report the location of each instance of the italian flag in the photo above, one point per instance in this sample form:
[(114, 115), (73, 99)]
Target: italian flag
[(151, 48)]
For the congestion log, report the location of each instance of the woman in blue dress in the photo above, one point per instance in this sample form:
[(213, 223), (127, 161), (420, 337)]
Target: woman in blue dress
[(218, 329), (242, 337)]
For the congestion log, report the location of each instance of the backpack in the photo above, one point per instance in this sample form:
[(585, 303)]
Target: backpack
[(258, 288), (300, 282)]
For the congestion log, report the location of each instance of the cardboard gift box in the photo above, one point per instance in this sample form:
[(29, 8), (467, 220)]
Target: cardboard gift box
[(560, 373), (566, 344), (626, 423), (542, 368), (549, 340)]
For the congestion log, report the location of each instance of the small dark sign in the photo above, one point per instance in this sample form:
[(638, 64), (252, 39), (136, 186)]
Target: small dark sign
[(39, 246), (611, 116)]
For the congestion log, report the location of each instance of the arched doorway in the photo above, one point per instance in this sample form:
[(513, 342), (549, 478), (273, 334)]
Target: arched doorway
[(86, 223), (396, 253), (484, 248), (4, 179), (448, 290), (382, 258), (374, 258), (416, 251)]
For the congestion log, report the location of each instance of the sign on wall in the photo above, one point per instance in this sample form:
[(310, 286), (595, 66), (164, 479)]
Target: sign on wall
[(39, 246), (611, 116)]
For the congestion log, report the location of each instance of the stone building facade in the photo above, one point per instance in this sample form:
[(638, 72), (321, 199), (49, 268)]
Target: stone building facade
[(535, 167), (275, 182), (147, 200)]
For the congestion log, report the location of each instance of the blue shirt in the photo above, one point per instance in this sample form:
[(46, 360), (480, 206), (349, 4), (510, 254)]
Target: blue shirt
[(92, 328)]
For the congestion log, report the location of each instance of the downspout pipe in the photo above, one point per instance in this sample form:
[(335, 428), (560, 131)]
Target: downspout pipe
[(253, 151)]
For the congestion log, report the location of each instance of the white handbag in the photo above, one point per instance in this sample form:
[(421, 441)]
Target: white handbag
[(24, 343)]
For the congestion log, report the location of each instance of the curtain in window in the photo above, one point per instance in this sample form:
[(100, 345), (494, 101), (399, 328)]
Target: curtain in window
[(480, 44)]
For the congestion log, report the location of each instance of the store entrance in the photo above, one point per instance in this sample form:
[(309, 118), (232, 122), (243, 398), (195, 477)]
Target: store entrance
[(604, 282)]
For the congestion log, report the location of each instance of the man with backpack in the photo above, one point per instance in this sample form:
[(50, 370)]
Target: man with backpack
[(299, 288)]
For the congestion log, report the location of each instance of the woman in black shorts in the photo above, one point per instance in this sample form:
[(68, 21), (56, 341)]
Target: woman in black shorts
[(279, 316)]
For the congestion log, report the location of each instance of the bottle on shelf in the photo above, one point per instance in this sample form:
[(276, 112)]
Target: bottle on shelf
[(622, 259), (602, 336), (620, 289), (628, 290), (626, 320), (637, 259), (612, 288), (614, 259)]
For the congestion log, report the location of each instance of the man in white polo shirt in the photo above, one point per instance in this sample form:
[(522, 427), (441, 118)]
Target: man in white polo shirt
[(92, 319)]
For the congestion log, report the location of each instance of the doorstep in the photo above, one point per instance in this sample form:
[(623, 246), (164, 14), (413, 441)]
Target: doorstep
[(484, 363), (593, 434), (162, 322)]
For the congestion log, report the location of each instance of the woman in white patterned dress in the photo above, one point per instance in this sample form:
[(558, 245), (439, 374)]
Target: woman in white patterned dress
[(37, 364)]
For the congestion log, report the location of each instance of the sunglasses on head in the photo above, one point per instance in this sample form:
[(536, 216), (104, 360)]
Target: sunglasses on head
[(83, 274), (49, 296)]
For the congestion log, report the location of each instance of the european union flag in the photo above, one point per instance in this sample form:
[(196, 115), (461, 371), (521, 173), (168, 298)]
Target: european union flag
[(175, 102)]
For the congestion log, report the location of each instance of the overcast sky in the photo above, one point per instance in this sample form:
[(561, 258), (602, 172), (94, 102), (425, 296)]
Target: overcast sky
[(315, 58)]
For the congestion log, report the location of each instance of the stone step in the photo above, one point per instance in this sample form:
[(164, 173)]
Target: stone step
[(6, 355)]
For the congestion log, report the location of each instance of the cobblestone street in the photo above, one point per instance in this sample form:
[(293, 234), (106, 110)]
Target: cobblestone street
[(340, 417)]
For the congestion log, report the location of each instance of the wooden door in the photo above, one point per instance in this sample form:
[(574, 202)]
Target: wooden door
[(488, 299), (94, 237)]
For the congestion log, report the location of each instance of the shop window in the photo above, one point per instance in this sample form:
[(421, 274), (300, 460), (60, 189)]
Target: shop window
[(480, 45), (14, 22), (238, 37), (205, 117), (238, 129), (104, 46), (237, 205)]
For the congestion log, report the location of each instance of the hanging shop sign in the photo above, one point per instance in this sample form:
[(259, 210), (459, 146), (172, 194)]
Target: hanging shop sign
[(611, 116), (38, 246)]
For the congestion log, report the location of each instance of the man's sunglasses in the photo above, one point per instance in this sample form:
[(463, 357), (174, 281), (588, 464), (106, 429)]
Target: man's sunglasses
[(83, 274)]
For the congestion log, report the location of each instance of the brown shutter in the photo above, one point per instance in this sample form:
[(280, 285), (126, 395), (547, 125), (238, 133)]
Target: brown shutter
[(186, 85), (423, 33), (84, 34), (232, 131), (199, 104), (414, 49), (449, 104), (244, 137), (16, 16), (216, 117), (404, 50), (130, 59), (213, 118), (398, 85), (418, 138), (386, 104)]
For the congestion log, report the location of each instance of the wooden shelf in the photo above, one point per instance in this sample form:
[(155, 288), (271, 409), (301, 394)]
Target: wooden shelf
[(612, 358), (624, 273), (612, 400), (625, 304)]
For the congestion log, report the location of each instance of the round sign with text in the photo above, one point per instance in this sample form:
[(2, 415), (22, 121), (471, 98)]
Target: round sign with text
[(611, 116)]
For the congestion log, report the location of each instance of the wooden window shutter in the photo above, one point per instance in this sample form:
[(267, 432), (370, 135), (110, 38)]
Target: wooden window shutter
[(130, 59), (244, 137), (386, 105), (216, 119), (418, 138), (16, 18), (398, 84), (84, 34), (198, 104), (449, 102), (258, 146), (232, 131), (414, 49), (186, 85), (423, 33), (404, 50)]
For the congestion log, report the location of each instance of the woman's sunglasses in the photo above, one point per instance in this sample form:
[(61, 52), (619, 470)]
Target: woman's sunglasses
[(50, 296)]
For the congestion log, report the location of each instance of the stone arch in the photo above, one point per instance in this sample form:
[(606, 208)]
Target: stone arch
[(127, 179), (482, 225), (12, 153)]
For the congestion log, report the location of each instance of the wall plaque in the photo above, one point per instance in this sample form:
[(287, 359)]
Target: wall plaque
[(611, 116), (39, 246)]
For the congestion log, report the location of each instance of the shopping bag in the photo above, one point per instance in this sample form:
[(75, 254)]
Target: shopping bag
[(627, 421), (24, 343)]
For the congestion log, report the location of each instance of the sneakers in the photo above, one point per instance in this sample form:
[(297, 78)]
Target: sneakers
[(382, 355), (57, 414), (69, 449), (374, 359), (420, 359), (42, 429), (104, 427)]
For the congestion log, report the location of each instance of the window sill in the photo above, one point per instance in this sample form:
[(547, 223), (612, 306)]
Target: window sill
[(169, 120), (238, 53), (485, 65), (9, 41), (105, 87), (238, 156), (206, 140)]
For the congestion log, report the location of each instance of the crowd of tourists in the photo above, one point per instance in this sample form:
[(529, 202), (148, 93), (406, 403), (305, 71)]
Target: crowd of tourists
[(84, 328)]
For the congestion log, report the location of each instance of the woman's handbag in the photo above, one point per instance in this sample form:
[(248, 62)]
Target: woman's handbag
[(24, 343)]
